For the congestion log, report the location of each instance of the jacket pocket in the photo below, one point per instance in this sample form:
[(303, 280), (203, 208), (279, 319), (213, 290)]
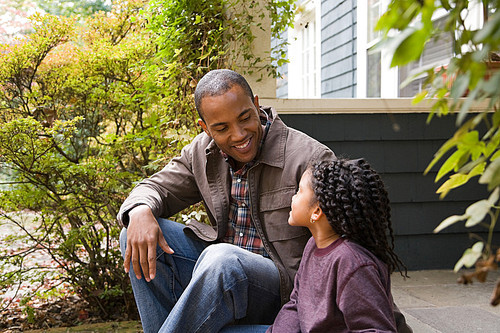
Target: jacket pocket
[(274, 211)]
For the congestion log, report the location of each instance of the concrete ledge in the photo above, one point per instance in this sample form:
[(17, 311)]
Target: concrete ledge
[(353, 105)]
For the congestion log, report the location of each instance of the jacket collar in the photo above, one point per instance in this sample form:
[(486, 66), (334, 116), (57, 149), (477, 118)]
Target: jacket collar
[(273, 150)]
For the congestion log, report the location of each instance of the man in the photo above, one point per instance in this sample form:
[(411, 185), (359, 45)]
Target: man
[(245, 167)]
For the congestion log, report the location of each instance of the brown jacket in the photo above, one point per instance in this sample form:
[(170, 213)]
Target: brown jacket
[(202, 174)]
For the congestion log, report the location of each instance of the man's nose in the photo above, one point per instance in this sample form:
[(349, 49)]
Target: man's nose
[(239, 133)]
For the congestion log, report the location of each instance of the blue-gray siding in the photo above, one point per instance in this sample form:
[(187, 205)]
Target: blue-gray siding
[(338, 48), (399, 147), (338, 51)]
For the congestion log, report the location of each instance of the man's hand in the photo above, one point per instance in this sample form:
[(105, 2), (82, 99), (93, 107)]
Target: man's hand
[(143, 235)]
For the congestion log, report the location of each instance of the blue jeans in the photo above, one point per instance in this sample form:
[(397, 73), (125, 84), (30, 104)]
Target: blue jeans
[(203, 288), (245, 329)]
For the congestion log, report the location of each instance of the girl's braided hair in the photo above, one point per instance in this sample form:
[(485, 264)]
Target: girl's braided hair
[(355, 202)]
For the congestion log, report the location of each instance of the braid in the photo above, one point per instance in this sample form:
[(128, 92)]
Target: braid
[(355, 202)]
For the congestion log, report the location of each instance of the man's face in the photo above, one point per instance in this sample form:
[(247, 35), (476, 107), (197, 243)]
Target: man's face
[(232, 120)]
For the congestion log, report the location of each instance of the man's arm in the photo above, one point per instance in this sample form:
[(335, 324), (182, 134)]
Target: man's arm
[(171, 189), (163, 194)]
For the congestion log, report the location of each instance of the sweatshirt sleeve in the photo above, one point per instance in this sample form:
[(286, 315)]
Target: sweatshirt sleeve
[(365, 303), (287, 320)]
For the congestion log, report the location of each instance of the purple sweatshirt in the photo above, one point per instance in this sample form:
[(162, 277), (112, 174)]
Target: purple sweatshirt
[(340, 288)]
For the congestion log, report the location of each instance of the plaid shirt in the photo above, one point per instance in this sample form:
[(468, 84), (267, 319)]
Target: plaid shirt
[(241, 230)]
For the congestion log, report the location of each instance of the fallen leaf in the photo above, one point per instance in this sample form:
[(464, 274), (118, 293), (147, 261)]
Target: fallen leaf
[(82, 315), (495, 297), (466, 278)]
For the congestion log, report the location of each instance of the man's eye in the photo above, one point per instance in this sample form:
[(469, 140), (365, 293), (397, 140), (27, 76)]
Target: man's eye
[(220, 130)]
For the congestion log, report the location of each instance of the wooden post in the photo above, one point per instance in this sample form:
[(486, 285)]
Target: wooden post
[(262, 84)]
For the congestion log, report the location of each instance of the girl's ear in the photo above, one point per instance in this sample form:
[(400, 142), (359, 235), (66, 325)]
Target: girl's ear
[(317, 212)]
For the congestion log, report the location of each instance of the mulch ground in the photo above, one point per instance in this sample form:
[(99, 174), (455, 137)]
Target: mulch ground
[(67, 312), (21, 306)]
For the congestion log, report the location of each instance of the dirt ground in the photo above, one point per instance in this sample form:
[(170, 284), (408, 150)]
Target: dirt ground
[(60, 306), (122, 327)]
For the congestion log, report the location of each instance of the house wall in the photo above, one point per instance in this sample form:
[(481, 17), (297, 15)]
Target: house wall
[(338, 51), (394, 138), (338, 48)]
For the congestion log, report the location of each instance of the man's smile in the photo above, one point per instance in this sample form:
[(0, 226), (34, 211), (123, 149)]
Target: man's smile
[(244, 144)]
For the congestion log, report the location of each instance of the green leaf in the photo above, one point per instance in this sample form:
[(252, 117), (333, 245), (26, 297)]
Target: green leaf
[(399, 15), (471, 144), (419, 97), (476, 212), (470, 256), (466, 106), (496, 118), (452, 142), (454, 181), (472, 164), (491, 175), (495, 155), (460, 86), (410, 48), (491, 85), (470, 138), (492, 144), (459, 179), (493, 198), (450, 164), (449, 221)]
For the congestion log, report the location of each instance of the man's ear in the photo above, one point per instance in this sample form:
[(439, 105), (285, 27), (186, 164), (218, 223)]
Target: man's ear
[(204, 126), (256, 102)]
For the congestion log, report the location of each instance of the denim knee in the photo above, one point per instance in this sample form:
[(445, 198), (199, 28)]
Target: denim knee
[(220, 266), (218, 258), (123, 241)]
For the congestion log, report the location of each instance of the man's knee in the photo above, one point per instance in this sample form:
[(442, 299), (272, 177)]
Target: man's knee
[(219, 258)]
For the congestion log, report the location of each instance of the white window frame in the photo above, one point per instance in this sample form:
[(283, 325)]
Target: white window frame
[(299, 78), (388, 75)]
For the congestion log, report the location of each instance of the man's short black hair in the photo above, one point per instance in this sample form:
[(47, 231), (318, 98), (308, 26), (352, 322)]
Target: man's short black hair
[(218, 82)]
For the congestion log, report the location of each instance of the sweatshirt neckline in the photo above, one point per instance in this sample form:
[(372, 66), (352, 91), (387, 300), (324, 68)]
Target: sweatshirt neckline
[(326, 250)]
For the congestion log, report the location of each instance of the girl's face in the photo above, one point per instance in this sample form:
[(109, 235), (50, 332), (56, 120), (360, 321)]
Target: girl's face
[(303, 202)]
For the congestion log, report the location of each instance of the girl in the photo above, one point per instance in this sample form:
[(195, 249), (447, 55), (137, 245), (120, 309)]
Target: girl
[(343, 282)]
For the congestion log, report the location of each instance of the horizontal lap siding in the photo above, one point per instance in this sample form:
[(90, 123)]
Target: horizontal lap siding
[(399, 147), (338, 48)]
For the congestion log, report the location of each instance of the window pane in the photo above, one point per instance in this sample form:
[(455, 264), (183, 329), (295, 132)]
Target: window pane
[(373, 74), (437, 52), (304, 64)]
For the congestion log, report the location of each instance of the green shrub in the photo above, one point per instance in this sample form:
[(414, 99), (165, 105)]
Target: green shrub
[(89, 109), (472, 77)]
